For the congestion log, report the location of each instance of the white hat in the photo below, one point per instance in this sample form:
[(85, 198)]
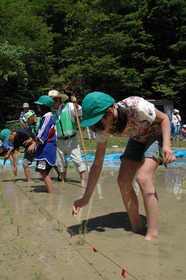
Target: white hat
[(25, 105), (54, 93)]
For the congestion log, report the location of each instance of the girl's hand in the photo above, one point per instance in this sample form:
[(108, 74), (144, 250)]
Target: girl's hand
[(168, 155), (77, 205)]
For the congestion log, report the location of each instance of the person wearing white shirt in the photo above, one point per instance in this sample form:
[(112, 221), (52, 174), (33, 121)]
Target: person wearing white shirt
[(67, 141), (176, 120)]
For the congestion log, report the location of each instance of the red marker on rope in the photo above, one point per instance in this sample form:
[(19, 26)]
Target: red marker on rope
[(123, 273), (94, 249)]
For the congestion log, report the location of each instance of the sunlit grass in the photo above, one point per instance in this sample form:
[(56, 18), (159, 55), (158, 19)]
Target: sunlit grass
[(121, 142)]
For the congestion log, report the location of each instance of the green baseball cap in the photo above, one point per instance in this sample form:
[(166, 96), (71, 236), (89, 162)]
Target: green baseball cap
[(45, 100), (28, 115), (94, 106), (5, 133)]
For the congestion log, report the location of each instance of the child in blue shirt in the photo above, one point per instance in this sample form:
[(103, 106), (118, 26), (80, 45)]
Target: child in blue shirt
[(6, 150), (45, 143)]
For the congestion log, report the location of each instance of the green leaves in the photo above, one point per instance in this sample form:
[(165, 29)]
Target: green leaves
[(120, 47)]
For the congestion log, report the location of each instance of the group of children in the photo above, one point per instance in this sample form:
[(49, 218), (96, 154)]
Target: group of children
[(149, 145), (38, 139)]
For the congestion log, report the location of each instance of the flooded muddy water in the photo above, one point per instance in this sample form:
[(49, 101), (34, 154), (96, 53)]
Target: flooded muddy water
[(40, 239)]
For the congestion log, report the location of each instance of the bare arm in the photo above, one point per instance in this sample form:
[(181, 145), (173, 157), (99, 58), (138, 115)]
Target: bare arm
[(22, 122), (33, 146), (29, 141), (10, 151), (168, 154), (92, 179), (8, 155)]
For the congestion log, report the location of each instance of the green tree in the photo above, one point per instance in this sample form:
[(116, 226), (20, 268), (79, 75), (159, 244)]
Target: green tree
[(25, 55)]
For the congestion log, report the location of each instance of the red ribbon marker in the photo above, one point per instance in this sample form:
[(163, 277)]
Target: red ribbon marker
[(71, 234), (94, 249), (123, 273)]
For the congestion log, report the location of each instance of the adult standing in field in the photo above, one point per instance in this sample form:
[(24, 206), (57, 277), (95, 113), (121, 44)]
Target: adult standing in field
[(176, 120), (22, 117), (148, 130), (67, 141)]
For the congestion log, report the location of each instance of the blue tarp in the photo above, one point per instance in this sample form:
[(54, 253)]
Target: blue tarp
[(111, 160)]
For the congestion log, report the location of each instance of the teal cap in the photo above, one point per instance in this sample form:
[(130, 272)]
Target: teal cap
[(94, 106), (5, 133), (45, 100)]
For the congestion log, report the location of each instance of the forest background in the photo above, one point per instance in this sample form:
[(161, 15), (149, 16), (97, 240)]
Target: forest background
[(121, 47)]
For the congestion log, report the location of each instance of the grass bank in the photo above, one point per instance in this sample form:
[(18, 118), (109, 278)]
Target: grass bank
[(117, 144)]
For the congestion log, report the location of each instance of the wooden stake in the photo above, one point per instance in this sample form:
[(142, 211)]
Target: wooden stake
[(81, 135)]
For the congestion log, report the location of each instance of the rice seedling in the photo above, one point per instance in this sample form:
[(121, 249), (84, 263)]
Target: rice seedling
[(3, 204), (18, 230), (40, 275), (183, 184), (7, 211), (11, 219), (82, 234), (1, 196), (20, 247), (58, 227), (160, 156)]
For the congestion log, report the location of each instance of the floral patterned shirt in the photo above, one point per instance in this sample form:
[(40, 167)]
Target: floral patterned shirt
[(141, 125)]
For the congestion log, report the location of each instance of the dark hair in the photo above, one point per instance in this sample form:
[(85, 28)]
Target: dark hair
[(121, 121), (99, 125), (44, 109)]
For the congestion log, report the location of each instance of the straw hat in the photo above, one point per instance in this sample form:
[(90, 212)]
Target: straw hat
[(54, 93)]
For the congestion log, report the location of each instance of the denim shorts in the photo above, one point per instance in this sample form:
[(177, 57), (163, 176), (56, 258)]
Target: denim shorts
[(137, 151)]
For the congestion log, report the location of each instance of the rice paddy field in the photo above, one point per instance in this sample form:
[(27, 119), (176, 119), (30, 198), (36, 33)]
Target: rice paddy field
[(40, 239)]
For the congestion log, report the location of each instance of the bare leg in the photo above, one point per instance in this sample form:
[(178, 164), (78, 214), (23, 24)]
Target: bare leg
[(47, 181), (82, 175), (63, 176), (27, 171), (150, 199), (58, 174), (128, 169)]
